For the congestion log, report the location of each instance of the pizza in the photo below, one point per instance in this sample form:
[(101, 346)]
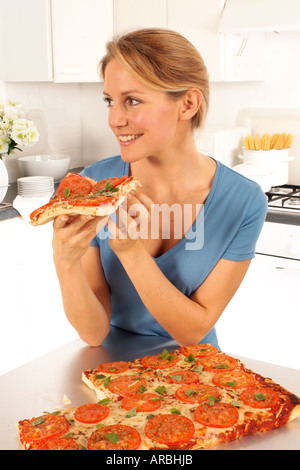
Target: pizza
[(196, 397), (79, 194)]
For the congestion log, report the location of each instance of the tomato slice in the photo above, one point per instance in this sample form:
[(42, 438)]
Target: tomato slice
[(199, 350), (235, 379), (115, 181), (142, 402), (126, 385), (59, 443), (91, 413), (218, 363), (260, 397), (183, 377), (169, 429), (159, 361), (114, 437), (35, 430), (113, 367), (72, 185), (219, 415), (196, 393)]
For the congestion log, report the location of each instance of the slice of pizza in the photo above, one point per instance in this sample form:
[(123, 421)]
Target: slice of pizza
[(81, 195)]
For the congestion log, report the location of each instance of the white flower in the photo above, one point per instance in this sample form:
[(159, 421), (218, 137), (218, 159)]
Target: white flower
[(14, 128), (4, 141), (24, 132)]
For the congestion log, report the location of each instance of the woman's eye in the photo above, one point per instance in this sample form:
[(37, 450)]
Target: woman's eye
[(132, 101), (108, 101)]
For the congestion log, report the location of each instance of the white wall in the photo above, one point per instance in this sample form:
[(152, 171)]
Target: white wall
[(56, 110)]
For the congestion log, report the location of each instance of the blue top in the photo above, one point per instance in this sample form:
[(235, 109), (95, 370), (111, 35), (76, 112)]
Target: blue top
[(227, 227)]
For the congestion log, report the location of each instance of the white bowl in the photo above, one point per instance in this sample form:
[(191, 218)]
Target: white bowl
[(55, 165)]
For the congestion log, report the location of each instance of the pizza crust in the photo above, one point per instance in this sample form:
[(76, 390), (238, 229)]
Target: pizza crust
[(295, 413), (65, 208)]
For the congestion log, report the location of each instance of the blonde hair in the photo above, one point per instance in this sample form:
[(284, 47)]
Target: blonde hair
[(164, 60)]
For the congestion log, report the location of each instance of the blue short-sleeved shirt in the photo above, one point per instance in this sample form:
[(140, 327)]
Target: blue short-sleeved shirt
[(227, 227)]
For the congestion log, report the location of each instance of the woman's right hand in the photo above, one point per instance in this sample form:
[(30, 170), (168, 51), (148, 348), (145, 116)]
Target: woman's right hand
[(72, 236)]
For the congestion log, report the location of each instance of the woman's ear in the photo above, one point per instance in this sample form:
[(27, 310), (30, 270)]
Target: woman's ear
[(190, 103)]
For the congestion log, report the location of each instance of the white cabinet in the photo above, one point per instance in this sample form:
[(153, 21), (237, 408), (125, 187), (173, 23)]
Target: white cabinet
[(129, 14), (228, 57), (25, 37), (63, 40), (80, 29), (60, 40), (198, 21), (32, 316), (262, 321)]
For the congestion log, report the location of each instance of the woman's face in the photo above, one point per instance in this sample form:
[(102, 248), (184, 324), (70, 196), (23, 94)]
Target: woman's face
[(144, 120)]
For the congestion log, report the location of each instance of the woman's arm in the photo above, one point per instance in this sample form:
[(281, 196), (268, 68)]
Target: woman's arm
[(85, 293), (187, 320)]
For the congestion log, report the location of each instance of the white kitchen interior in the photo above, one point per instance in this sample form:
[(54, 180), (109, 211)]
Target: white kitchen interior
[(48, 62)]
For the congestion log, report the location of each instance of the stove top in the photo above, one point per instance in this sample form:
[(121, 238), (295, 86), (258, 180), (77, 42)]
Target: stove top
[(284, 198)]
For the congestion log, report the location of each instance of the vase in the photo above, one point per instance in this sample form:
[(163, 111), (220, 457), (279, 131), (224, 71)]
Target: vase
[(3, 180)]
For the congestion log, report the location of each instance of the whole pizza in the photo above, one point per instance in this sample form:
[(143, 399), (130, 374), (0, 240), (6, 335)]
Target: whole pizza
[(195, 397)]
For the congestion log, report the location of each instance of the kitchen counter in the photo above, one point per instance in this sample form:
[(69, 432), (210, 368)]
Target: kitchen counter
[(40, 386)]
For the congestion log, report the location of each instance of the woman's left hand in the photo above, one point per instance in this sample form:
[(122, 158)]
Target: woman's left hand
[(133, 223)]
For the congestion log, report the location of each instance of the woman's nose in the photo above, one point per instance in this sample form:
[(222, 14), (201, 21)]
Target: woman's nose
[(117, 116)]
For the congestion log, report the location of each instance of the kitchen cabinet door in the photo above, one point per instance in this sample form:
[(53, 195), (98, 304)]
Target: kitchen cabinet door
[(262, 321), (13, 351), (25, 37), (32, 315), (80, 29), (198, 21), (228, 57), (129, 14), (46, 325)]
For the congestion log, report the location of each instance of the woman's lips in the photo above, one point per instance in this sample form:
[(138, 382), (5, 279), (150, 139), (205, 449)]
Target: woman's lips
[(127, 139)]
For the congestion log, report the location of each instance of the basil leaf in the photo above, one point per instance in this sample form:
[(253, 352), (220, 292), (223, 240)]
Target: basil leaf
[(100, 376), (259, 396), (221, 366), (112, 437), (212, 400), (38, 421), (178, 378), (67, 192), (190, 392), (235, 403), (175, 411), (231, 384), (166, 355), (161, 390), (105, 401), (142, 389), (106, 381), (131, 412), (198, 369), (190, 358)]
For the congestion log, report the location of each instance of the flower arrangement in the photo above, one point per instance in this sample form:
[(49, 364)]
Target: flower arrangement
[(15, 129)]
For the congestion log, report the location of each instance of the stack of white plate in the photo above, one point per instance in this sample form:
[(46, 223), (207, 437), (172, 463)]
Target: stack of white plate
[(35, 186)]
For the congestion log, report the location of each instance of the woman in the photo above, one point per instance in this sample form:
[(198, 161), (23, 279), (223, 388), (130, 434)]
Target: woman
[(157, 91)]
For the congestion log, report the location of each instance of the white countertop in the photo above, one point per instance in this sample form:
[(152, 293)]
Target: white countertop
[(40, 386)]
